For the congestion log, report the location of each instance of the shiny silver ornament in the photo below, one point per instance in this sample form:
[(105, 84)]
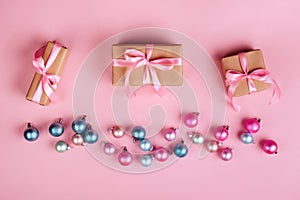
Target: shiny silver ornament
[(212, 146), (196, 137), (61, 146), (146, 160)]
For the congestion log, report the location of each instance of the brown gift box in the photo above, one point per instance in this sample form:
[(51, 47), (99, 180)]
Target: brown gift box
[(56, 69), (255, 61), (171, 77)]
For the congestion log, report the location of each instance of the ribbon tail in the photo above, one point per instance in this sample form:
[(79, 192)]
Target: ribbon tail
[(156, 82), (231, 90), (276, 92)]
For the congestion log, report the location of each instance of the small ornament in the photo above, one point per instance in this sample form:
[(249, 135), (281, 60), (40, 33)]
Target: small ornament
[(31, 133), (196, 137), (252, 125), (117, 132), (269, 146), (170, 133), (56, 129), (225, 154), (146, 160), (191, 119), (90, 136), (77, 139), (125, 158), (180, 150), (247, 138), (109, 148), (213, 146), (138, 133), (145, 145), (62, 146), (161, 154), (221, 133), (79, 125)]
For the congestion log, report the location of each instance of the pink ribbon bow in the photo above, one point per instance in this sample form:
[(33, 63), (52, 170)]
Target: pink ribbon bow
[(233, 79), (134, 58), (48, 82)]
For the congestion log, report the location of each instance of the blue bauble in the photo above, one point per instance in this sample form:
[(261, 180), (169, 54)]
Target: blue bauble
[(145, 145), (180, 150), (90, 136), (138, 133), (31, 134), (146, 160), (56, 129), (247, 138), (79, 125)]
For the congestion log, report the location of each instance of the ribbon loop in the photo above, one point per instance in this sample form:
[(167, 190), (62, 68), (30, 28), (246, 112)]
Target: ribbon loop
[(233, 79)]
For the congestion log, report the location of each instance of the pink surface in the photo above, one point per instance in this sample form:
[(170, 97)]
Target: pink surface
[(36, 171)]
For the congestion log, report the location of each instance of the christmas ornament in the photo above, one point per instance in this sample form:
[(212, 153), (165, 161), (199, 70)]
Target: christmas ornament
[(125, 158), (269, 146), (161, 154), (90, 136), (225, 153), (79, 125), (180, 149), (145, 145), (170, 133), (191, 119), (109, 148), (221, 133), (196, 137), (117, 132), (252, 125), (62, 146), (247, 138), (56, 129), (138, 133), (212, 146), (146, 160), (31, 133), (77, 139)]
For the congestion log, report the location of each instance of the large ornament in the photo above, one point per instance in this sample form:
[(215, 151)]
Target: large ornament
[(180, 150), (170, 133), (196, 137), (79, 125), (125, 158), (61, 146), (31, 133), (191, 119), (221, 133), (117, 132), (252, 125), (138, 133), (56, 129), (269, 146)]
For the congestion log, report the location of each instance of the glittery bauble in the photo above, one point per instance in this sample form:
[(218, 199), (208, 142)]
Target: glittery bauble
[(138, 133), (161, 154), (252, 125), (146, 160), (225, 154), (191, 119), (125, 158), (221, 133), (145, 145), (90, 136), (180, 150), (117, 132), (56, 129), (269, 146), (247, 138), (31, 133), (77, 139), (61, 146), (170, 134), (109, 148)]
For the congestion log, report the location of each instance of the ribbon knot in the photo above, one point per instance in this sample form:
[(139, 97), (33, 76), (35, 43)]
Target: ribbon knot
[(134, 58), (233, 79), (49, 81)]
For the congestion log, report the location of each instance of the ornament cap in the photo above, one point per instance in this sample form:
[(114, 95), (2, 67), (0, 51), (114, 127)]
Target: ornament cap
[(226, 127), (259, 120), (196, 113), (29, 125)]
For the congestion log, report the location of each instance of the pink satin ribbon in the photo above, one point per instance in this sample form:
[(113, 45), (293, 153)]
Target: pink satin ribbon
[(48, 82), (233, 79), (134, 58)]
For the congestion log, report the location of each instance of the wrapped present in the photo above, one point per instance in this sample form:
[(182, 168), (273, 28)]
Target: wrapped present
[(246, 73), (139, 64), (48, 62)]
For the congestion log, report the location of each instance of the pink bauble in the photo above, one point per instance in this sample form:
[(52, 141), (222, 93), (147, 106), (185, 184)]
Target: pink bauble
[(269, 146), (221, 133), (117, 132), (161, 154), (170, 134), (252, 125), (109, 149), (125, 158), (77, 139), (225, 154), (191, 119)]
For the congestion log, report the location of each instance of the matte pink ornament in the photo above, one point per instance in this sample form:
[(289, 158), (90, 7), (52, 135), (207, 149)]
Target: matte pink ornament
[(125, 158), (161, 154), (170, 134), (109, 148), (252, 125), (225, 154), (191, 119), (269, 146), (117, 132), (221, 133)]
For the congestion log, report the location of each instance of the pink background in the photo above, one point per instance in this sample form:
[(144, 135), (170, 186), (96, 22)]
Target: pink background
[(36, 171)]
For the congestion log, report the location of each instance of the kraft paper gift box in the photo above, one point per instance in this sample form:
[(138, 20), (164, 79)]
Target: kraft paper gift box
[(172, 77), (55, 69)]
